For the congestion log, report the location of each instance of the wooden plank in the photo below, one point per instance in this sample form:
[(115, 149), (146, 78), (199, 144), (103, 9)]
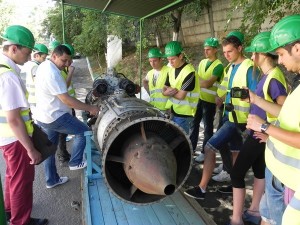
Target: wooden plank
[(95, 206), (162, 214), (118, 209), (174, 211), (106, 204), (151, 215), (135, 214), (197, 208), (187, 211)]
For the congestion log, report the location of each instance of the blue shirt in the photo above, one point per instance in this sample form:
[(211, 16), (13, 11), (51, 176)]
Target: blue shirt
[(251, 80)]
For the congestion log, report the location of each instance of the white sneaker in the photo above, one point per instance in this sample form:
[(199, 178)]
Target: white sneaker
[(61, 180), (222, 177), (79, 166), (218, 169), (200, 158)]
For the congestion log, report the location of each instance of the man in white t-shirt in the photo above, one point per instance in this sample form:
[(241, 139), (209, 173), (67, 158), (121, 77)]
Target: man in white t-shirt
[(53, 106)]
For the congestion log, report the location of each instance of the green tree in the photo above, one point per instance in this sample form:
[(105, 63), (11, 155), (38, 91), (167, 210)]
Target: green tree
[(255, 13), (73, 23), (6, 11)]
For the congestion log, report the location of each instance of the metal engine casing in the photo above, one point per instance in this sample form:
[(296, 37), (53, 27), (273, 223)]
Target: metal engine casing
[(145, 156)]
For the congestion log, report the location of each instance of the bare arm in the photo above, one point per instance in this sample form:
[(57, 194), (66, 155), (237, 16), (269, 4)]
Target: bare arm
[(168, 91), (288, 137), (208, 83), (146, 85), (180, 95), (70, 75), (17, 125), (76, 104), (270, 107)]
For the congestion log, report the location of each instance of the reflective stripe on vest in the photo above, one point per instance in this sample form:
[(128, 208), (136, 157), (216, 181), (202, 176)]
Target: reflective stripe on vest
[(291, 214), (277, 74), (24, 117), (30, 84), (281, 157), (208, 91), (295, 203), (188, 105), (241, 108), (157, 99), (208, 94), (284, 160), (5, 130)]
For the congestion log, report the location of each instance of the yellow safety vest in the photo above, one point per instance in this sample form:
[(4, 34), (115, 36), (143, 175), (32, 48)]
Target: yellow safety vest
[(277, 74), (208, 94), (188, 105), (30, 84), (157, 99), (5, 130), (71, 90), (222, 87), (284, 160), (241, 108)]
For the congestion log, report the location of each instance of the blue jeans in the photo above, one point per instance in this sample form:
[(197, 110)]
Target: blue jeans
[(272, 205), (183, 122), (227, 134), (206, 111), (66, 124)]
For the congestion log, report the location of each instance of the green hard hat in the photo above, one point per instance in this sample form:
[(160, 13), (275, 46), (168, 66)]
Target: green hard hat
[(70, 47), (155, 53), (237, 34), (211, 42), (19, 35), (41, 48), (260, 43), (285, 32), (53, 45), (173, 48)]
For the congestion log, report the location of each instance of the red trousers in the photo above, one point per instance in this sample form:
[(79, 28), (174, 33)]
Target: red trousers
[(19, 178)]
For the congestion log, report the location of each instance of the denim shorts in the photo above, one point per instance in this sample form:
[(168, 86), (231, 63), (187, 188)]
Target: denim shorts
[(228, 134), (272, 205)]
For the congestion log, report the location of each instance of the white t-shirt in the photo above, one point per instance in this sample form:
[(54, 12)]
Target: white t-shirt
[(48, 84), (155, 76), (12, 92)]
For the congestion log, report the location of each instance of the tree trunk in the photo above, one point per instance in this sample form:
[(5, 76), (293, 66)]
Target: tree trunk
[(158, 37), (176, 17), (211, 18)]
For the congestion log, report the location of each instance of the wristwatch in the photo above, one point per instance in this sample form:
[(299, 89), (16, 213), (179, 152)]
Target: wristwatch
[(264, 127)]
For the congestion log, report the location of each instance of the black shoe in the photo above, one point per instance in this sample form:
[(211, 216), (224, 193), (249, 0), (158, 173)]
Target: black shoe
[(195, 192), (225, 190), (37, 221), (63, 158), (8, 216)]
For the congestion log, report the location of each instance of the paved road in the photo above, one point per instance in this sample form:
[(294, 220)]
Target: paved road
[(55, 204)]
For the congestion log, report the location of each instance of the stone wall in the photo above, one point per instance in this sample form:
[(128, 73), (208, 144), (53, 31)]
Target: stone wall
[(195, 30)]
